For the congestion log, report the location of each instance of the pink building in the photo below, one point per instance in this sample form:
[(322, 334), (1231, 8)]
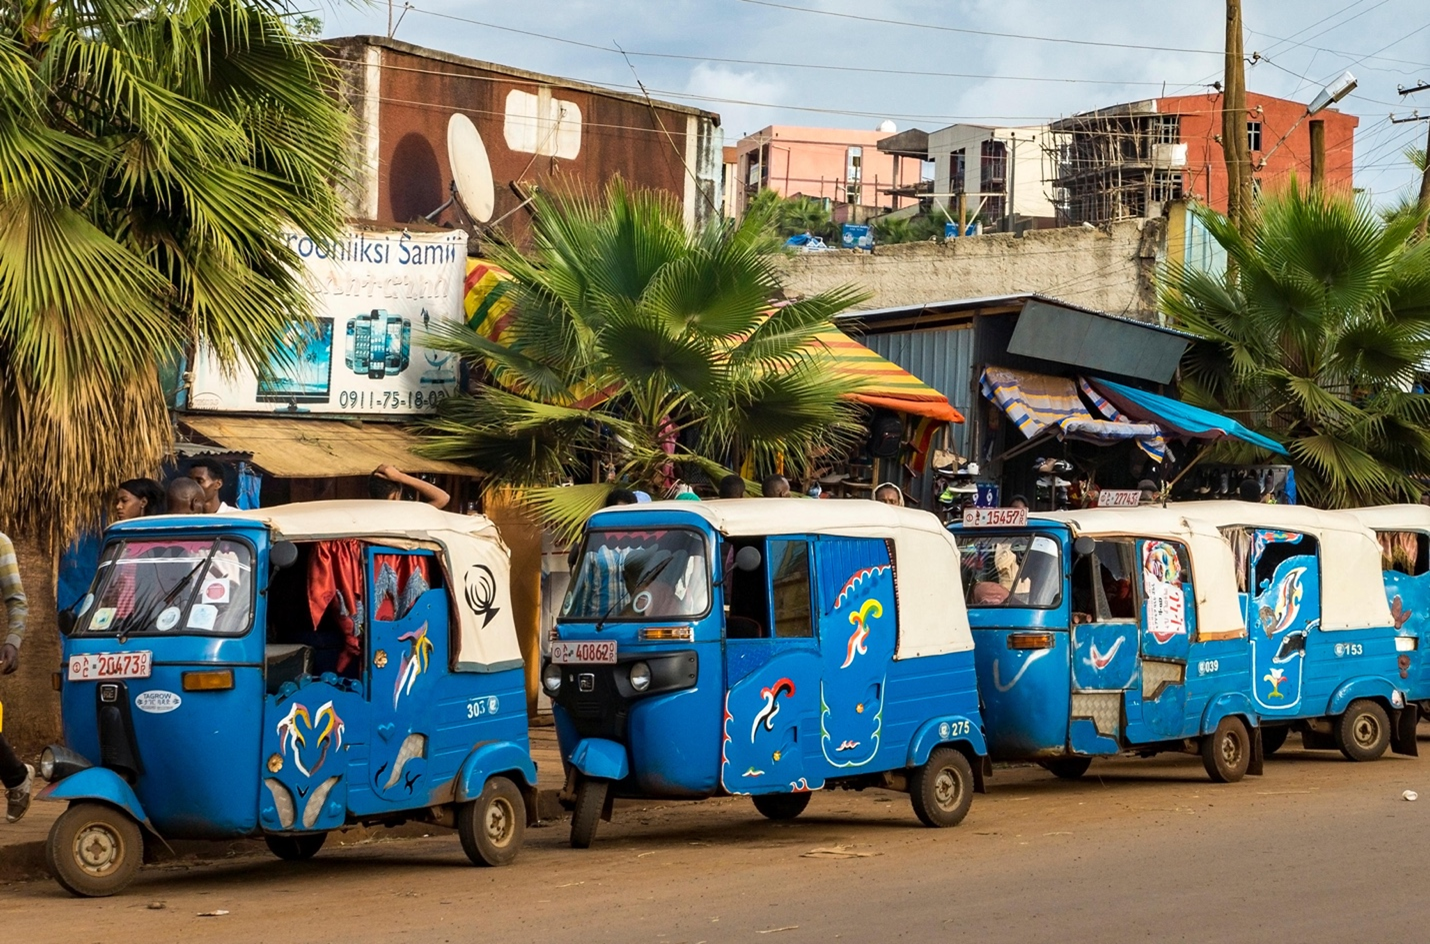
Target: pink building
[(837, 164)]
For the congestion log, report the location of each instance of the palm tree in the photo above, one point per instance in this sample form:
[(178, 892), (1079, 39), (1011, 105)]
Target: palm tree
[(642, 353), (1318, 339), (152, 153)]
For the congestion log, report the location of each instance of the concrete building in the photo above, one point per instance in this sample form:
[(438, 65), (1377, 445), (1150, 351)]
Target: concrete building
[(1129, 160), (998, 174), (836, 164), (536, 131)]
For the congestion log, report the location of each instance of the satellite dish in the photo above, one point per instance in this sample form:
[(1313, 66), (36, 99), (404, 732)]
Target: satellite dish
[(471, 171), (888, 127)]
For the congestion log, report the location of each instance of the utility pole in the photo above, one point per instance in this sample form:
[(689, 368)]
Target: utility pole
[(1234, 145), (1424, 202), (1318, 154)]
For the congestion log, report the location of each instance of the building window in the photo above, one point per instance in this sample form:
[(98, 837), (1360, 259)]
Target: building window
[(1253, 135), (1166, 129), (993, 176), (957, 171), (853, 174)]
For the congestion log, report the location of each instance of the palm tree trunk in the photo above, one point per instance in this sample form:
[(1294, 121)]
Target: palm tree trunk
[(32, 707)]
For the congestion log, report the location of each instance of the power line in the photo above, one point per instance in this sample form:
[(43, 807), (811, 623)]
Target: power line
[(771, 63), (974, 32)]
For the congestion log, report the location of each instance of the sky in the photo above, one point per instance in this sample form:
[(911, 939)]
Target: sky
[(932, 63)]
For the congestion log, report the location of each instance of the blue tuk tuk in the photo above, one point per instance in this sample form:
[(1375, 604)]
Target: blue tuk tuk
[(766, 648), (1108, 631), (1404, 535), (285, 672), (1326, 650)]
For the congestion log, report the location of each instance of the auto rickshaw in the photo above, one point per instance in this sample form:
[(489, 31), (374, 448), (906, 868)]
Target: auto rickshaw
[(1404, 535), (764, 648), (285, 672), (1109, 631), (1324, 646)]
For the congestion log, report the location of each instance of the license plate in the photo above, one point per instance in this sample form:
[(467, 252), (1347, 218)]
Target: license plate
[(570, 653), (111, 665)]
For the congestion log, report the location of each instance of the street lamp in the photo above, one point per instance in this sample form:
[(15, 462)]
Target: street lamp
[(1324, 99)]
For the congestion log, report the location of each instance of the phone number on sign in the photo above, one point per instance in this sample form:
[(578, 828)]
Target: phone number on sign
[(391, 399)]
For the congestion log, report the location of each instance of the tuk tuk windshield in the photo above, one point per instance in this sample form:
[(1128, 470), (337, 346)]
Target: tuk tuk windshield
[(169, 586), (640, 575), (1023, 570)]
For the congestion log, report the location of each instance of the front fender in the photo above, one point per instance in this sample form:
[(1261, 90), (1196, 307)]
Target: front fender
[(949, 729), (598, 757), (1366, 686), (102, 784), (491, 758), (1227, 703)]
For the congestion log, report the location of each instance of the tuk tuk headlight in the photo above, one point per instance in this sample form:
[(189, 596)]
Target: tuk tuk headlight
[(47, 764), (551, 678), (58, 762), (639, 676)]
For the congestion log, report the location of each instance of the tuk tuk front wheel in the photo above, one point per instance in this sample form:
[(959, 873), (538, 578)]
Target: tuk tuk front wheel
[(94, 850), (941, 789), (1226, 752), (781, 805), (493, 826), (590, 801), (1066, 768), (296, 848), (1273, 739), (1363, 731)]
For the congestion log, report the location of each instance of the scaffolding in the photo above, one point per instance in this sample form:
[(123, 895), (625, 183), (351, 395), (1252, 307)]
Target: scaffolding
[(1118, 163)]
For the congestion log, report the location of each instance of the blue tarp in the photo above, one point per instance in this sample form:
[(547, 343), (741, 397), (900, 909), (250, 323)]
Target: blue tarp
[(1176, 417)]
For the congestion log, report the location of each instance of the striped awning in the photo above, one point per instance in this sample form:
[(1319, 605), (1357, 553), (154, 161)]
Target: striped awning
[(1038, 403), (884, 383)]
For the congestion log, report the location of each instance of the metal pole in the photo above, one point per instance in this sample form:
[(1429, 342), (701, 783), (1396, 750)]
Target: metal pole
[(1318, 154)]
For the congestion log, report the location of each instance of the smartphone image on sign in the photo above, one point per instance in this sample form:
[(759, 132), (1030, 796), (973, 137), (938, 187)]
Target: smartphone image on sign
[(349, 343), (393, 366), (377, 353), (406, 342), (362, 344), (303, 374)]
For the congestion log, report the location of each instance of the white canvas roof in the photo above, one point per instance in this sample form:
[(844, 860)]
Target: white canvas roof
[(932, 616), (1219, 613), (1393, 517), (1352, 589), (478, 562)]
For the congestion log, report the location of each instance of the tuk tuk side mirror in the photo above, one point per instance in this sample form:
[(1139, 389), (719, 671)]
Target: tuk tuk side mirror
[(1084, 546), (747, 559), (67, 621), (283, 554)]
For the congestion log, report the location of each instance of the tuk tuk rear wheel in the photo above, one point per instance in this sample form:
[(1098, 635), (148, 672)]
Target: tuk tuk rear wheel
[(941, 789), (94, 850), (781, 805), (296, 848), (1363, 731), (590, 801), (1066, 768), (493, 826), (1226, 752), (1273, 739)]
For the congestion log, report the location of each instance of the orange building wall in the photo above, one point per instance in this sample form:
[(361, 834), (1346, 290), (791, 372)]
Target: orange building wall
[(811, 161), (1205, 175)]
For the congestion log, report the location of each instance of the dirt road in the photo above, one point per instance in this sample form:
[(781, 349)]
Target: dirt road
[(1317, 850)]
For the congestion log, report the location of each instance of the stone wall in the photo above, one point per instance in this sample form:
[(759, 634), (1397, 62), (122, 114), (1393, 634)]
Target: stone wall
[(1108, 269)]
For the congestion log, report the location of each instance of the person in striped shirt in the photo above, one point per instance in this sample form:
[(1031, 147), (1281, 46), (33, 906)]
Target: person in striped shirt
[(16, 776)]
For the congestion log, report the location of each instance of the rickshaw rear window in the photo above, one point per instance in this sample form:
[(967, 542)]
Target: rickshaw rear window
[(170, 587), (640, 575), (1014, 570)]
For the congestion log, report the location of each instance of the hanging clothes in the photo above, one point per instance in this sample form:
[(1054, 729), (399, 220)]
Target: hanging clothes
[(335, 583), (400, 580)]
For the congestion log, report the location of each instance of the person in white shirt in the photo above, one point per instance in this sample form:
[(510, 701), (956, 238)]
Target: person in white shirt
[(208, 472)]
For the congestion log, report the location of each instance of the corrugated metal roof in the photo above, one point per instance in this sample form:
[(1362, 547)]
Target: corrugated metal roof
[(302, 448)]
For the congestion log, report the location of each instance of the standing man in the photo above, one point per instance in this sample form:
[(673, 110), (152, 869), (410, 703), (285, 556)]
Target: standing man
[(16, 777), (208, 472), (385, 484)]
